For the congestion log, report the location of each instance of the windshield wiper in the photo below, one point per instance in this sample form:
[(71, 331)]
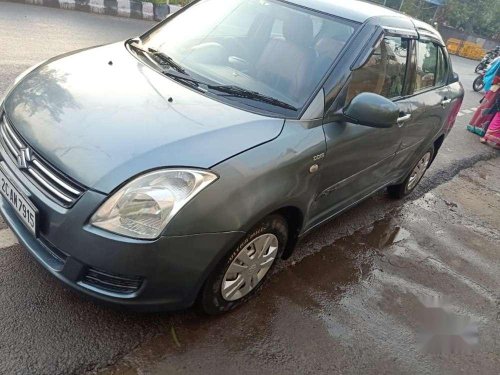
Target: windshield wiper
[(163, 59), (239, 92), (234, 91), (191, 82), (167, 60), (185, 78)]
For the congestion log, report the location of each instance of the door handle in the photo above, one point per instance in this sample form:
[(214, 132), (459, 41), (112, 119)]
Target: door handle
[(404, 118), (445, 102)]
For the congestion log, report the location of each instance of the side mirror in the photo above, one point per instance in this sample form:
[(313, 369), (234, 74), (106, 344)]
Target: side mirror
[(455, 78), (372, 110)]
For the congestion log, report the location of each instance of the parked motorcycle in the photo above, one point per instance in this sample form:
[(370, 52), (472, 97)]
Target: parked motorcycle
[(487, 59), (478, 83)]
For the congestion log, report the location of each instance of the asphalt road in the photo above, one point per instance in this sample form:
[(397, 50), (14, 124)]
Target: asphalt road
[(348, 300)]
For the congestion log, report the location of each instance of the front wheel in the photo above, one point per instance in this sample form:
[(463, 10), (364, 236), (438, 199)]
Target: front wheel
[(478, 84), (244, 270), (479, 67), (412, 180)]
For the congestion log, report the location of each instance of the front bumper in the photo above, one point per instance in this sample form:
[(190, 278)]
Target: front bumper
[(165, 274)]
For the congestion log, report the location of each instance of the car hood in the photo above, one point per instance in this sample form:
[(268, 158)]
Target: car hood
[(101, 117)]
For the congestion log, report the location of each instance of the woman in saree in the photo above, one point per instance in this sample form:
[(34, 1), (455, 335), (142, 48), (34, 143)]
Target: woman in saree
[(490, 103), (492, 136)]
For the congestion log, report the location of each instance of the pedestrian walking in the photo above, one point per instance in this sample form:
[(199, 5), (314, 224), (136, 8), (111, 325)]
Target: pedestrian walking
[(492, 136)]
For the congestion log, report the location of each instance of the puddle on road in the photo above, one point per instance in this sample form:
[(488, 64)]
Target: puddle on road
[(326, 275), (336, 267), (311, 298)]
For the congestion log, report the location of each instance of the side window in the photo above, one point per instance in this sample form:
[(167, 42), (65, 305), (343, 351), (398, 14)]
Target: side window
[(431, 66), (384, 72), (442, 68)]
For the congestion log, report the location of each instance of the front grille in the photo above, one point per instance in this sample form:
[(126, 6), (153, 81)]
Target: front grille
[(53, 183), (108, 282)]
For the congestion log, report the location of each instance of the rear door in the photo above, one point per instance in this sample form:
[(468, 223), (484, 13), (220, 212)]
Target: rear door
[(430, 103)]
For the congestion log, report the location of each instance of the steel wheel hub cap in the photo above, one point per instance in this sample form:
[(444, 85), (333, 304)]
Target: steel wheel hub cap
[(418, 172), (249, 267)]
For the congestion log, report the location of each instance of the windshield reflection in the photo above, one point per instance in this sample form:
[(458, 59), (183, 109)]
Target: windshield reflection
[(268, 47)]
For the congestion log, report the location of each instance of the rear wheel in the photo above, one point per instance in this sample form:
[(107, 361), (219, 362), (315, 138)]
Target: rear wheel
[(414, 177), (243, 272), (478, 84)]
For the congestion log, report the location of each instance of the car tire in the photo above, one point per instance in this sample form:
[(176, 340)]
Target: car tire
[(218, 293), (411, 181)]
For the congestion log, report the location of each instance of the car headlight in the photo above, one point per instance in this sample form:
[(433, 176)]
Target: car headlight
[(143, 207)]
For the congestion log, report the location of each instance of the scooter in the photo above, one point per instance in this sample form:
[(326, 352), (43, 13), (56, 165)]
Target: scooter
[(487, 59)]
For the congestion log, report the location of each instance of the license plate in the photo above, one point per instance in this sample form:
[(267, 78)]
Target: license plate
[(23, 207)]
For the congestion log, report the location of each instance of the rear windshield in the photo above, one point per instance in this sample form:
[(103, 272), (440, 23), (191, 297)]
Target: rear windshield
[(266, 46)]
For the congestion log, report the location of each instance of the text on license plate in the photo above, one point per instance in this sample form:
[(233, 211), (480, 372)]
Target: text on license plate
[(23, 208)]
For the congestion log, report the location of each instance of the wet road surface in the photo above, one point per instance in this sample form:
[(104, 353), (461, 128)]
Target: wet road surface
[(415, 292), (366, 292)]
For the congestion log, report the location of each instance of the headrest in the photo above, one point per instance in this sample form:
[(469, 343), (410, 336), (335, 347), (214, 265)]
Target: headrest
[(298, 29)]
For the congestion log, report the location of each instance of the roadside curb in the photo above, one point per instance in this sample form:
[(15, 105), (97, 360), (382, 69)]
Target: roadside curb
[(123, 8)]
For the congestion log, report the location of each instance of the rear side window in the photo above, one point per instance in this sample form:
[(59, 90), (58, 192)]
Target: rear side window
[(431, 66), (384, 72), (442, 68)]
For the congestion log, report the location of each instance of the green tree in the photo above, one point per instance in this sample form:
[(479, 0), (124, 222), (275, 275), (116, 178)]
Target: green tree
[(479, 16)]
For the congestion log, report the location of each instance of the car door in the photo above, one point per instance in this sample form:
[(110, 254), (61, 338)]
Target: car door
[(430, 103), (358, 158)]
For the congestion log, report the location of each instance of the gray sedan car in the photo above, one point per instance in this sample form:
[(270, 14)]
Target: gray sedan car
[(178, 167)]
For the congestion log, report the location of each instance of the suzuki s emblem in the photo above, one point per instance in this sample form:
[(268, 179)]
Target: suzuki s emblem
[(23, 158)]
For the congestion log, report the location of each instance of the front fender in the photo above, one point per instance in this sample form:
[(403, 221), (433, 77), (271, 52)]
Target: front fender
[(256, 183)]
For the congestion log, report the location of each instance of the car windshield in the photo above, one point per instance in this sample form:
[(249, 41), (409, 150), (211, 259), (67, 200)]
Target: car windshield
[(266, 47)]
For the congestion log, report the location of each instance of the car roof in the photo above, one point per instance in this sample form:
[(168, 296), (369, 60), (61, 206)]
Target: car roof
[(354, 10), (361, 11)]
